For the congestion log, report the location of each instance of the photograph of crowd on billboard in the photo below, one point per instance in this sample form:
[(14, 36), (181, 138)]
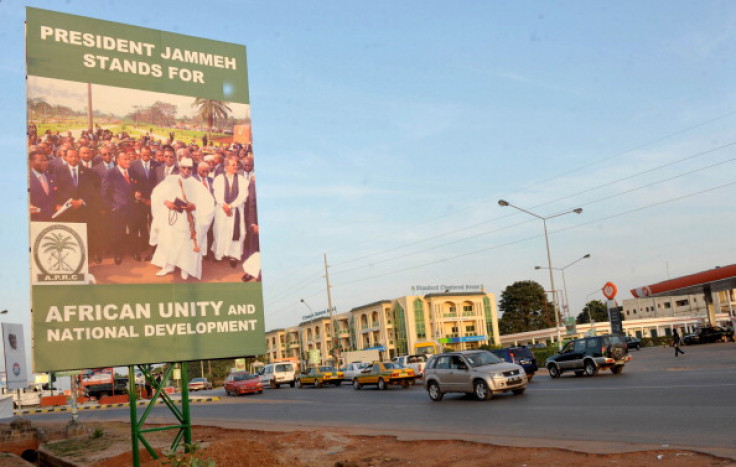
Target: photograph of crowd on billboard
[(164, 184)]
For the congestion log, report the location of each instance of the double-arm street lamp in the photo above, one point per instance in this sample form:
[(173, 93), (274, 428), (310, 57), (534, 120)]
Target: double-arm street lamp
[(504, 203), (564, 282)]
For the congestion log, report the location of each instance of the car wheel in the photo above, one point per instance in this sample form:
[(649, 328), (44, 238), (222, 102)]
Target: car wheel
[(638, 347), (480, 390), (381, 384), (317, 384), (590, 368), (434, 391), (274, 384), (356, 384), (554, 372), (617, 369), (299, 384), (291, 384), (518, 391), (260, 392)]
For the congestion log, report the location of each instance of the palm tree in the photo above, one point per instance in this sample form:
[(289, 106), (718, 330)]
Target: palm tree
[(211, 110), (55, 245)]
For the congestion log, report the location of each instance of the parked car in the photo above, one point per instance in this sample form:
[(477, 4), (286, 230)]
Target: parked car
[(320, 376), (588, 355), (521, 356), (632, 343), (708, 334), (274, 375), (385, 374), (352, 370), (476, 372), (198, 384), (242, 382)]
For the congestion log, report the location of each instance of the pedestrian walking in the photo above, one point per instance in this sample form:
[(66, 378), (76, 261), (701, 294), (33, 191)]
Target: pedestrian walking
[(676, 343)]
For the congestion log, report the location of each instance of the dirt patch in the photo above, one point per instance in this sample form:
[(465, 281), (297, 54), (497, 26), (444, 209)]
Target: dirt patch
[(340, 448)]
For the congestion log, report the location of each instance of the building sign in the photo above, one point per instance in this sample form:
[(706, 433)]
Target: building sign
[(318, 314), (424, 289), (456, 340), (98, 299)]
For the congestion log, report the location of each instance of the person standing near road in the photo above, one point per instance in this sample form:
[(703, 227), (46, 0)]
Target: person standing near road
[(676, 343)]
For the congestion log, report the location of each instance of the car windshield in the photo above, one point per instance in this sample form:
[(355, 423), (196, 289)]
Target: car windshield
[(326, 369), (392, 366), (244, 376), (482, 358), (198, 380), (284, 367)]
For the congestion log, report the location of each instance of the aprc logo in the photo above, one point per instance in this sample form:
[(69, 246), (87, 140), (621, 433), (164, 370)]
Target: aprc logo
[(59, 253)]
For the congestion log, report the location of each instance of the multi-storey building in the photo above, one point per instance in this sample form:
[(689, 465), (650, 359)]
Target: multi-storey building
[(454, 320), (679, 306)]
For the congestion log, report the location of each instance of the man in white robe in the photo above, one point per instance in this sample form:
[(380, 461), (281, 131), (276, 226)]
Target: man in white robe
[(231, 191), (176, 247)]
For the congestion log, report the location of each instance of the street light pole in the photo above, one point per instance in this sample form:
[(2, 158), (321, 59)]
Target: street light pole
[(564, 282), (504, 203)]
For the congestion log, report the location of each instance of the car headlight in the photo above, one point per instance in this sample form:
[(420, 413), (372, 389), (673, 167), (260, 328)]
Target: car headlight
[(497, 376)]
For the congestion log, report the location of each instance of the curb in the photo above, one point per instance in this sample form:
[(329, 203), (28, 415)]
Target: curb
[(66, 408)]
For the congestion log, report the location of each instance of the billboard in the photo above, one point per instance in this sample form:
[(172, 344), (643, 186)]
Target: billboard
[(16, 370), (142, 203)]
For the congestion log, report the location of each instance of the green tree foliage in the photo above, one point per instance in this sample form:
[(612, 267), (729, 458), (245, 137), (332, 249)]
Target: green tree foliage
[(525, 308), (597, 309)]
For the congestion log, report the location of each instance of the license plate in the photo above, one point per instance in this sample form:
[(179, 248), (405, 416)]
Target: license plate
[(513, 381)]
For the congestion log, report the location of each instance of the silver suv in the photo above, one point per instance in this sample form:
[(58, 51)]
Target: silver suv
[(476, 372)]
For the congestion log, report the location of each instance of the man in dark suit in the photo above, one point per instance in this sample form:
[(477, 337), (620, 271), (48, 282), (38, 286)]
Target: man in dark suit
[(75, 185), (41, 187), (169, 166), (252, 244), (102, 220), (119, 197), (143, 169), (79, 186)]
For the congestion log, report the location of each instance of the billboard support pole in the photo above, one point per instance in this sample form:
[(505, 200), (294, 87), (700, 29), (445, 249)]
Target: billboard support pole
[(182, 416)]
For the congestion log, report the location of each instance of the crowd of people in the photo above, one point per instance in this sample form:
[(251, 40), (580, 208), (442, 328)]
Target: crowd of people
[(171, 203)]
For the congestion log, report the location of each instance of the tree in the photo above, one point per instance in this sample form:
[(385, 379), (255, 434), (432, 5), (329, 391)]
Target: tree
[(597, 309), (211, 110), (525, 308)]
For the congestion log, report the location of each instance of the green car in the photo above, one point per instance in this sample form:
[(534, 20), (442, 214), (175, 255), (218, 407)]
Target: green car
[(319, 376)]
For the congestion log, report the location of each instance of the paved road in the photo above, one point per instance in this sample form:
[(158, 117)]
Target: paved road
[(659, 400)]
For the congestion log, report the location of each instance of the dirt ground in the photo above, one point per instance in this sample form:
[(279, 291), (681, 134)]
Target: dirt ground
[(225, 447)]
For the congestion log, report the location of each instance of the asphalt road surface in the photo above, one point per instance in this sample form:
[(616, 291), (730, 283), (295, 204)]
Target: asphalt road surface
[(687, 402)]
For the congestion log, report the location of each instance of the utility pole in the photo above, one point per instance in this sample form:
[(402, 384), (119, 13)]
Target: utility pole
[(332, 321)]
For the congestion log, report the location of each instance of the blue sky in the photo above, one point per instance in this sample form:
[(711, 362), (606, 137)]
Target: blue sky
[(385, 133)]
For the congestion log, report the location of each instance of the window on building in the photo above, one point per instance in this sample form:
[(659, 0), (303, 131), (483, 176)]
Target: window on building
[(419, 319), (681, 303), (667, 305), (455, 329)]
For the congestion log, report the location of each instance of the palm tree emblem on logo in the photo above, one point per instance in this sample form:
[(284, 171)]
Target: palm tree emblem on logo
[(57, 246), (59, 253)]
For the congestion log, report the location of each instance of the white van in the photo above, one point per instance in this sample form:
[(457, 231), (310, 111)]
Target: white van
[(275, 374)]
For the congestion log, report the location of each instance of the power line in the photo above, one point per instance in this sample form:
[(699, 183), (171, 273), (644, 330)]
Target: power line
[(475, 252)]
